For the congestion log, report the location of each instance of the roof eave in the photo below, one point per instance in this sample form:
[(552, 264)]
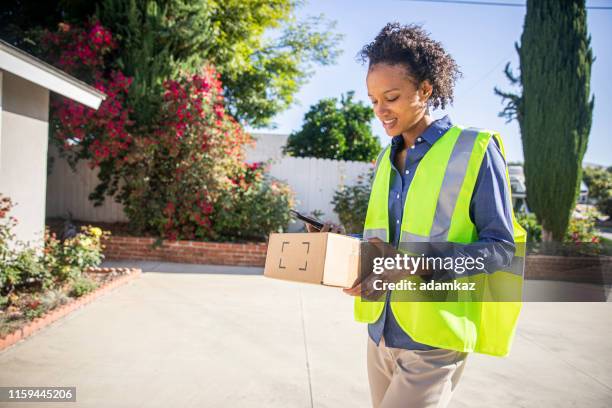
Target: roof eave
[(26, 66)]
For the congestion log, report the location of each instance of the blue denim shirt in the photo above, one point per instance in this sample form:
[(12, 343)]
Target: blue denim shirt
[(490, 211)]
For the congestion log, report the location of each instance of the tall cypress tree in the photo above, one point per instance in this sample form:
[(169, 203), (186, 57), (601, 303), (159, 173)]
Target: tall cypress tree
[(555, 109)]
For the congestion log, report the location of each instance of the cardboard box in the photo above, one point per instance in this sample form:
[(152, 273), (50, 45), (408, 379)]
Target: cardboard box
[(321, 258)]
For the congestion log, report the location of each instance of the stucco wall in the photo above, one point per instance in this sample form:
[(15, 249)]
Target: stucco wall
[(23, 153)]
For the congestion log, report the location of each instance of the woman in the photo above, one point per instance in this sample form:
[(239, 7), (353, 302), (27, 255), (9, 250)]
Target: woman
[(435, 182)]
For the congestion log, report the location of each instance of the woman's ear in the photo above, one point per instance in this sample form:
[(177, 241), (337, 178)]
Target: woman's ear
[(425, 90)]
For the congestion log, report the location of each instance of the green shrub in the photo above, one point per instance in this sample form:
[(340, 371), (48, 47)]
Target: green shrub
[(8, 276), (530, 223), (85, 249), (81, 286), (351, 203), (29, 269), (580, 230), (253, 207), (23, 268), (34, 309), (599, 182), (66, 260), (605, 204), (53, 298), (20, 265)]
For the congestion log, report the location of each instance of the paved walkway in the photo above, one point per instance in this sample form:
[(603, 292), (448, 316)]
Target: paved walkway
[(204, 336)]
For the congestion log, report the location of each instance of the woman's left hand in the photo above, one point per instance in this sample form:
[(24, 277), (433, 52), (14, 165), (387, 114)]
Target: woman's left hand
[(335, 228), (365, 288)]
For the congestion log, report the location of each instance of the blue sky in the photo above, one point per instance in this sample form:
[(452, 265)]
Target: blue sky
[(480, 38)]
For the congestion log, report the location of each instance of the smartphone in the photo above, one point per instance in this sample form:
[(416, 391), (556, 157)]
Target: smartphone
[(317, 224)]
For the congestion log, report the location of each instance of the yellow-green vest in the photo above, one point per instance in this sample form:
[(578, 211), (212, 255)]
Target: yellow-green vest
[(437, 209)]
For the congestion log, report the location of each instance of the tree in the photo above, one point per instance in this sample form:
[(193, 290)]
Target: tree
[(262, 73), (336, 132), (555, 107), (263, 54)]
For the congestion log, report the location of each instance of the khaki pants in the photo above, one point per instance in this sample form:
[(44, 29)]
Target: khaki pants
[(412, 378)]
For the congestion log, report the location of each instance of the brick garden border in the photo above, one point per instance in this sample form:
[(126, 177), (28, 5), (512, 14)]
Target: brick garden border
[(595, 269), (194, 252), (61, 311)]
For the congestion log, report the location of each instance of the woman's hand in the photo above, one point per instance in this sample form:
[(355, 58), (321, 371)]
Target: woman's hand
[(365, 288), (327, 227)]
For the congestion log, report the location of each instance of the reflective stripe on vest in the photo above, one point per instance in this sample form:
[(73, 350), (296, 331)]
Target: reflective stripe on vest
[(437, 210)]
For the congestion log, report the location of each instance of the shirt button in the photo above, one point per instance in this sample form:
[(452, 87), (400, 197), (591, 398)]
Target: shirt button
[(407, 171), (412, 147), (397, 197), (397, 221), (419, 139)]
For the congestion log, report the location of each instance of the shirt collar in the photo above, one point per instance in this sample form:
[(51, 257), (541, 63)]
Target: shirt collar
[(433, 132)]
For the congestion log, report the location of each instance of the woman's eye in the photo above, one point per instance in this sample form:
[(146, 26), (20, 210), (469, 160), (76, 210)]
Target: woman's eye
[(392, 99)]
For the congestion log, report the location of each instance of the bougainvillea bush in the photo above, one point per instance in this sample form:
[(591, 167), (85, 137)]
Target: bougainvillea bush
[(178, 175), (178, 170), (101, 135)]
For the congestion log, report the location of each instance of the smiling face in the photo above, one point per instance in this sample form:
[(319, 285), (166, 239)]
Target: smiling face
[(398, 101)]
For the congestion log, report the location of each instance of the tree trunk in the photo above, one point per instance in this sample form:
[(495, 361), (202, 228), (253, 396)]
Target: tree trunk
[(547, 235)]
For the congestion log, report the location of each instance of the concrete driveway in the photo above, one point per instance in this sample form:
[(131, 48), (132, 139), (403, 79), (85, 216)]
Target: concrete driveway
[(210, 336)]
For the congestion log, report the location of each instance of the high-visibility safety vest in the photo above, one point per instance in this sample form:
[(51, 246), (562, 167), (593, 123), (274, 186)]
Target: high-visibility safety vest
[(437, 209)]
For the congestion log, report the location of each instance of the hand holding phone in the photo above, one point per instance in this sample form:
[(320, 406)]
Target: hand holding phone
[(314, 225)]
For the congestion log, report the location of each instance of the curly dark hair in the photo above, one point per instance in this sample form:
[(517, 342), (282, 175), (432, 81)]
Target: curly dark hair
[(424, 58)]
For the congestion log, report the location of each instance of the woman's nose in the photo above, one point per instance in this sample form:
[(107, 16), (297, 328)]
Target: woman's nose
[(380, 111)]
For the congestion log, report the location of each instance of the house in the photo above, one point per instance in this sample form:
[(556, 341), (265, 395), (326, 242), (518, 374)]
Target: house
[(519, 189), (25, 84), (583, 196)]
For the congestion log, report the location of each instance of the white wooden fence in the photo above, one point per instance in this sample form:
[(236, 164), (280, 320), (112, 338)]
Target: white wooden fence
[(314, 182), (69, 191)]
